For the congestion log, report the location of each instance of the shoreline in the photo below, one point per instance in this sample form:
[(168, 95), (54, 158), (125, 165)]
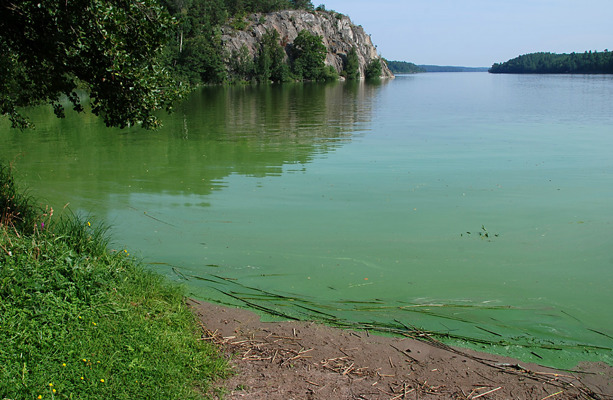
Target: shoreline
[(307, 360)]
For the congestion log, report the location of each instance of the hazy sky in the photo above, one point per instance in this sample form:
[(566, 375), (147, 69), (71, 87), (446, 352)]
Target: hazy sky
[(478, 33)]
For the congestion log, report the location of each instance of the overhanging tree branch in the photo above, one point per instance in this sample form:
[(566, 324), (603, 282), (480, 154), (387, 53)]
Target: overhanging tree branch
[(49, 47)]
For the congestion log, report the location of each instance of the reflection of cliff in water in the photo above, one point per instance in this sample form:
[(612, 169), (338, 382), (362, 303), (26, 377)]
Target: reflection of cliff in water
[(255, 130), (217, 131)]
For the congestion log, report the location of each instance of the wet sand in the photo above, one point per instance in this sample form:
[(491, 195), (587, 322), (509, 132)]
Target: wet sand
[(306, 360)]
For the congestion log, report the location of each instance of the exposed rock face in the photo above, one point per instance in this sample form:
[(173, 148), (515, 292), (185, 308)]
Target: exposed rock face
[(338, 32)]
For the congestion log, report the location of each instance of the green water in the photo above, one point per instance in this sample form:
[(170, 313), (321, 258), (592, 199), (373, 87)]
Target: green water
[(362, 203)]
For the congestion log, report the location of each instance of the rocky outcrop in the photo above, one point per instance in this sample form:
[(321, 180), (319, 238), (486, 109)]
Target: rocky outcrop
[(338, 34)]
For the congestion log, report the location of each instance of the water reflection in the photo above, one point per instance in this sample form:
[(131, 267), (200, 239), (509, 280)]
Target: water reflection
[(218, 131)]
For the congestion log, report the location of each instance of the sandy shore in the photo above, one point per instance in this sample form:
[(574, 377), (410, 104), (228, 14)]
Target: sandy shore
[(304, 360)]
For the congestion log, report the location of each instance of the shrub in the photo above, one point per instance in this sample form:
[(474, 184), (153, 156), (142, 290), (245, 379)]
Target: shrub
[(373, 69)]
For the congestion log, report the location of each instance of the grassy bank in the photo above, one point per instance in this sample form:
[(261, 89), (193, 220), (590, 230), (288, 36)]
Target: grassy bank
[(80, 321)]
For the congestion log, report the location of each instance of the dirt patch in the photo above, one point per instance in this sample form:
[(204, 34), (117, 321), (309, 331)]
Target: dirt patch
[(305, 360)]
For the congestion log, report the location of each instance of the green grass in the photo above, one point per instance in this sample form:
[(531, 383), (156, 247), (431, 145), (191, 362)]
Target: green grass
[(78, 321), (16, 209)]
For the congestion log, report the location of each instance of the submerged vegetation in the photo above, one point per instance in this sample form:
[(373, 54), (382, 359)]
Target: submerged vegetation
[(80, 321), (455, 321), (551, 63)]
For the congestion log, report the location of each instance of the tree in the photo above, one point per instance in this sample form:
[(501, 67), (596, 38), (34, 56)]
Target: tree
[(302, 4), (309, 55), (271, 65), (196, 64), (241, 64), (195, 55), (373, 69), (352, 66), (48, 48)]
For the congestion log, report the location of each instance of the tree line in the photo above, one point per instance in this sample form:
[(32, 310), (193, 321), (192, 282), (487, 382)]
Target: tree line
[(589, 62), (403, 67)]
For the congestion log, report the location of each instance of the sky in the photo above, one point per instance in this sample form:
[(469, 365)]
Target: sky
[(479, 33)]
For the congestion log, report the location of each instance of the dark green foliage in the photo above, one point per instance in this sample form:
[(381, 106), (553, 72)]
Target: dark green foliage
[(196, 64), (239, 22), (302, 4), (48, 48), (308, 55), (403, 67), (266, 6), (352, 65), (551, 63), (196, 53), (328, 74), (270, 63), (242, 67), (373, 69)]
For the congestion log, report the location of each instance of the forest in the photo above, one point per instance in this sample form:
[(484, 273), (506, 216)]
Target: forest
[(589, 62), (195, 55), (403, 67)]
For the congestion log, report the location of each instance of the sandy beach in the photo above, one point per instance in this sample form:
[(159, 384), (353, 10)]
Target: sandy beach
[(306, 360)]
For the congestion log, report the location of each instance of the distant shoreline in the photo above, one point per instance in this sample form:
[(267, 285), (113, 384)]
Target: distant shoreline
[(404, 67), (552, 63), (450, 68)]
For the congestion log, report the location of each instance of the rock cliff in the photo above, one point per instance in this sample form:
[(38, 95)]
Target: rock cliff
[(339, 35)]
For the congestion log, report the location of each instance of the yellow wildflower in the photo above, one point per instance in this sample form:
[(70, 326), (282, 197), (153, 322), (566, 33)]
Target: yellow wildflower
[(39, 397), (53, 390), (89, 224), (50, 384), (102, 380)]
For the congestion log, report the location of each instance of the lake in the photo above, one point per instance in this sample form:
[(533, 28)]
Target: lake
[(473, 206)]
